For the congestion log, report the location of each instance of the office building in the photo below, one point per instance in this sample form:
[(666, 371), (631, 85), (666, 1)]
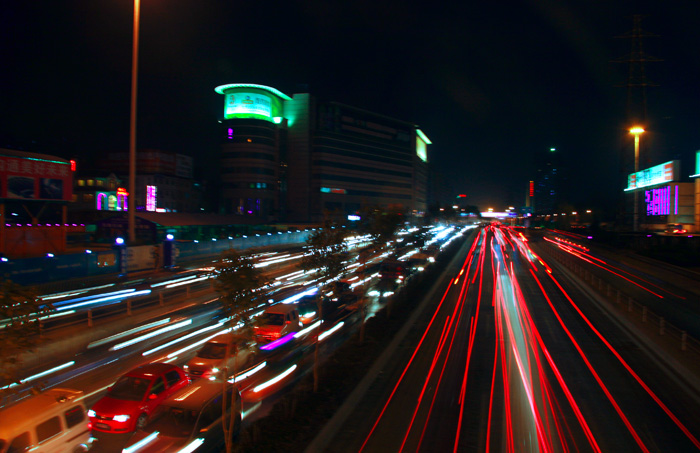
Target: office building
[(293, 158)]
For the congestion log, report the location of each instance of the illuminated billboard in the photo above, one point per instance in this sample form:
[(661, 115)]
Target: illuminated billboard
[(422, 142), (246, 100), (660, 174), (697, 165), (112, 201), (32, 176), (242, 104), (659, 201)]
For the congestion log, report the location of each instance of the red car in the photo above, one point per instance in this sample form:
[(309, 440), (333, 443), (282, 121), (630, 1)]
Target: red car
[(132, 399)]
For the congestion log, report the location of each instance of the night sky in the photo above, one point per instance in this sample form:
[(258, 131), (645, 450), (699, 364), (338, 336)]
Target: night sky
[(494, 85)]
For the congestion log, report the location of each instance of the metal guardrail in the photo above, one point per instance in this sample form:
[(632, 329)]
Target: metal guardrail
[(127, 307), (672, 339)]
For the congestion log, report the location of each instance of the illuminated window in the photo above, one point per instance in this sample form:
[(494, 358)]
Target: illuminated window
[(81, 182), (90, 182), (100, 182)]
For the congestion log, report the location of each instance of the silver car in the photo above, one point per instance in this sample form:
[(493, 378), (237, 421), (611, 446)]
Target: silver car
[(224, 354)]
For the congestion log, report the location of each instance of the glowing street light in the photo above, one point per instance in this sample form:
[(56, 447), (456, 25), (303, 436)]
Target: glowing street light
[(636, 131)]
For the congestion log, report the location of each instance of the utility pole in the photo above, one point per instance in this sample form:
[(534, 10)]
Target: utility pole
[(636, 108)]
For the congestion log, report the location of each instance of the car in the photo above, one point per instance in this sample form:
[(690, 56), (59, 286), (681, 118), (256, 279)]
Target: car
[(420, 261), (675, 228), (191, 420), (210, 361), (277, 321), (341, 292), (308, 309), (393, 270), (131, 400)]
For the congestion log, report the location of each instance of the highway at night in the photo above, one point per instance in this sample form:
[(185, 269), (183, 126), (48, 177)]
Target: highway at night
[(514, 352), (525, 343)]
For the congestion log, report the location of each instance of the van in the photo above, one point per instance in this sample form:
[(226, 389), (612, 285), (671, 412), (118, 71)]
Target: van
[(277, 321), (53, 421), (191, 420)]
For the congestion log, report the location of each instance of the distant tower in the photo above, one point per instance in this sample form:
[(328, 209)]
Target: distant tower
[(637, 82)]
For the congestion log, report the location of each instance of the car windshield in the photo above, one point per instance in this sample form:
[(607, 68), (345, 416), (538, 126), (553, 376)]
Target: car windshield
[(212, 351), (173, 421), (129, 388), (273, 319)]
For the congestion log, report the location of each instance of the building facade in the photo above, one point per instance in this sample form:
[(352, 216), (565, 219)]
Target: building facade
[(164, 181), (292, 159)]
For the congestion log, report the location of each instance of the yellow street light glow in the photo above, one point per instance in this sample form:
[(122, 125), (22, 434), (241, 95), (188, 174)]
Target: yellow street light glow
[(637, 130)]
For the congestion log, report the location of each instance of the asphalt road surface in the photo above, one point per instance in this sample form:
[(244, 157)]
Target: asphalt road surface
[(515, 354)]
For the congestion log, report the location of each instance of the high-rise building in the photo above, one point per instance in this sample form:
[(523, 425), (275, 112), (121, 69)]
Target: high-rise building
[(547, 184), (291, 159)]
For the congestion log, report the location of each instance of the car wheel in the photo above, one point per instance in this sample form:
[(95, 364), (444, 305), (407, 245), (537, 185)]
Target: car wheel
[(141, 421)]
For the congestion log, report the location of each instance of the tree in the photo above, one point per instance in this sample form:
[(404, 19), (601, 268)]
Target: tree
[(238, 283), (326, 253), (381, 224), (20, 310)]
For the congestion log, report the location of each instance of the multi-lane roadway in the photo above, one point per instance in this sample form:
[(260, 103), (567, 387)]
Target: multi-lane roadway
[(517, 354)]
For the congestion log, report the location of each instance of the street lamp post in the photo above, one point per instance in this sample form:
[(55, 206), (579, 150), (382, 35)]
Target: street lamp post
[(636, 131), (132, 127)]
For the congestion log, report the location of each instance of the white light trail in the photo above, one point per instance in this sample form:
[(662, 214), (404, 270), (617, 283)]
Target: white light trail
[(303, 332), (175, 280), (40, 375), (247, 374), (275, 380), (94, 344), (194, 345), (119, 346), (178, 340), (329, 332), (192, 446), (142, 443), (105, 299), (199, 279), (296, 297)]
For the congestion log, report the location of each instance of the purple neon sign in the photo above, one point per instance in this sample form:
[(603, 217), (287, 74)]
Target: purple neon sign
[(151, 192), (659, 201)]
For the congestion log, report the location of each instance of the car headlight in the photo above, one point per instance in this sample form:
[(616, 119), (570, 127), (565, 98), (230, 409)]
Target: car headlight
[(120, 418), (214, 370), (92, 413), (186, 367)]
